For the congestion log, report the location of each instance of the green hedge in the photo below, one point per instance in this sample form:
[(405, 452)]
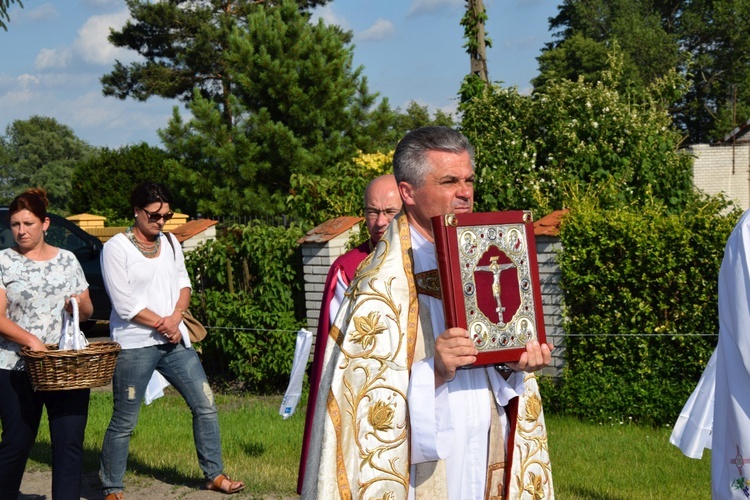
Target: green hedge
[(246, 283), (640, 286)]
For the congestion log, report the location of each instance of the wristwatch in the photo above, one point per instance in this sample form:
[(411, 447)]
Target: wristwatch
[(504, 369)]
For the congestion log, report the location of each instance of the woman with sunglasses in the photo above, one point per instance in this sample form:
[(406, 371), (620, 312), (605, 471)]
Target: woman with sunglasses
[(38, 281), (145, 277)]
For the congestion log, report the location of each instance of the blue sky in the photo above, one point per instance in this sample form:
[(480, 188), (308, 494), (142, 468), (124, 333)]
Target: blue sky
[(54, 53)]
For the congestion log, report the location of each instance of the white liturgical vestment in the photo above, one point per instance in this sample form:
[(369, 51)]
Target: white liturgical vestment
[(730, 455), (382, 430), (453, 423)]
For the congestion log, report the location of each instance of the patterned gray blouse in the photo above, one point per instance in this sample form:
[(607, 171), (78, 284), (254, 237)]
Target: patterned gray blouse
[(36, 293)]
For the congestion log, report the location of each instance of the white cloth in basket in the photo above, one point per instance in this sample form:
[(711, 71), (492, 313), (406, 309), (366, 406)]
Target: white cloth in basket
[(71, 337)]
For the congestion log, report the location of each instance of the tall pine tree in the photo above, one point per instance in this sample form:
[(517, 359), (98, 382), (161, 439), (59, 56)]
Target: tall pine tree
[(298, 106), (183, 43)]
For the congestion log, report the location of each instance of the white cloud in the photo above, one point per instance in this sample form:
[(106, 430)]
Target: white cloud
[(92, 45), (380, 30), (45, 12), (68, 80), (21, 89), (26, 80), (53, 58), (92, 110), (426, 6), (329, 17)]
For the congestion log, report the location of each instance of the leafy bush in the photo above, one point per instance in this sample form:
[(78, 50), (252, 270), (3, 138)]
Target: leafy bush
[(318, 198), (530, 150), (640, 288), (246, 284)]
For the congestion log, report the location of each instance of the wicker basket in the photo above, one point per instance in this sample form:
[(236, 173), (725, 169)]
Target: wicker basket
[(55, 370)]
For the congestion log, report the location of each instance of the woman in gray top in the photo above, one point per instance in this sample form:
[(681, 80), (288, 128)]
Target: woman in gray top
[(37, 281)]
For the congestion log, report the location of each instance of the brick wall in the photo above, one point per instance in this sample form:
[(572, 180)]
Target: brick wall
[(316, 260), (723, 169), (547, 248)]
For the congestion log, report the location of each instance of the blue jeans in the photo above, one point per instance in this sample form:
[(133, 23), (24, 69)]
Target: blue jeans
[(182, 368)]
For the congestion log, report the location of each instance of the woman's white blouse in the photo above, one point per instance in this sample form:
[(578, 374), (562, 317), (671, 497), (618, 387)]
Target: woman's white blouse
[(135, 282)]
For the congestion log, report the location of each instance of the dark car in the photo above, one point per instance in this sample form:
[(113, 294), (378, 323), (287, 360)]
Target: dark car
[(64, 234)]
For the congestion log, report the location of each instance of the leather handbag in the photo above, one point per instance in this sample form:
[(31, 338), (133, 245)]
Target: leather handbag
[(196, 331)]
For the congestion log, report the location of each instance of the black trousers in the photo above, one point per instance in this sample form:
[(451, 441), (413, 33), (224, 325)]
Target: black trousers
[(20, 414)]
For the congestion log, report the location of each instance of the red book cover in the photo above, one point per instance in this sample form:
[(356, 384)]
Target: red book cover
[(489, 281)]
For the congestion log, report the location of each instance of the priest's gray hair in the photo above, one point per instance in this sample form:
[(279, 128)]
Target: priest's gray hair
[(410, 159)]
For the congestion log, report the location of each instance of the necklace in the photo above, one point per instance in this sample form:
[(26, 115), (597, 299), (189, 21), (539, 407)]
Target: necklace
[(148, 250)]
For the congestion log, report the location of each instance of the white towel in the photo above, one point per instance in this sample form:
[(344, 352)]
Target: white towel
[(293, 392), (71, 336)]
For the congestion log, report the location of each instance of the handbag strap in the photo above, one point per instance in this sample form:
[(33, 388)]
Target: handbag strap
[(169, 239)]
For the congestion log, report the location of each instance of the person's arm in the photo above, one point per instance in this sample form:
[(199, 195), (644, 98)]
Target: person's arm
[(338, 294), (11, 331), (170, 325), (126, 302), (79, 287), (85, 307), (453, 349)]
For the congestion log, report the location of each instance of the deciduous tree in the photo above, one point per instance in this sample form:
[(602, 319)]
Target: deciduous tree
[(102, 183), (704, 40), (577, 137), (42, 152)]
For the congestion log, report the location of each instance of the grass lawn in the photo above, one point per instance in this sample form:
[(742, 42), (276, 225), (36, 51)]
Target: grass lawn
[(608, 461)]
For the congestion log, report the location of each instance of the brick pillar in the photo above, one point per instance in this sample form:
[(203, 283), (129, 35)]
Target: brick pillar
[(547, 248), (316, 260)]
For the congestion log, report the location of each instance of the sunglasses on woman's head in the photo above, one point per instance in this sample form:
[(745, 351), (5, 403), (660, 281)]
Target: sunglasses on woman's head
[(156, 216)]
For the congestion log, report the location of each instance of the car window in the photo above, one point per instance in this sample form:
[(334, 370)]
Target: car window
[(57, 235), (63, 238), (6, 237)]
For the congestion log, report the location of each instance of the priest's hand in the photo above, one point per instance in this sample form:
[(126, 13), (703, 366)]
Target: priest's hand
[(535, 358), (453, 349)]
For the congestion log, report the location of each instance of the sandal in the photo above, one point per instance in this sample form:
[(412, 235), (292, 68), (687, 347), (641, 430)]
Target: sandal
[(223, 484)]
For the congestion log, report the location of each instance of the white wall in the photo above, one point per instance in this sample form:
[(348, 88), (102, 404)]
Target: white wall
[(723, 169)]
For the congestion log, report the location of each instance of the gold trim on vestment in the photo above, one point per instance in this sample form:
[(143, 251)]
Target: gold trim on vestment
[(408, 259), (335, 414)]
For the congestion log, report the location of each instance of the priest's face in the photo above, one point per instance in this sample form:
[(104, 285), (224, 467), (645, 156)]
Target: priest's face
[(448, 188), (382, 204)]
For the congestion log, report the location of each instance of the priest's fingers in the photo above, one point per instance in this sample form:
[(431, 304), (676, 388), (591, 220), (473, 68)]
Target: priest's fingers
[(535, 358), (455, 342), (455, 333), (453, 349)]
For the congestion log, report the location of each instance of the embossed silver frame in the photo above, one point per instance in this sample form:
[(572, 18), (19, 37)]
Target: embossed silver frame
[(463, 240)]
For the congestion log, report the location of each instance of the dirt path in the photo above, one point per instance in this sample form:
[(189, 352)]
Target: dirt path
[(37, 485)]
